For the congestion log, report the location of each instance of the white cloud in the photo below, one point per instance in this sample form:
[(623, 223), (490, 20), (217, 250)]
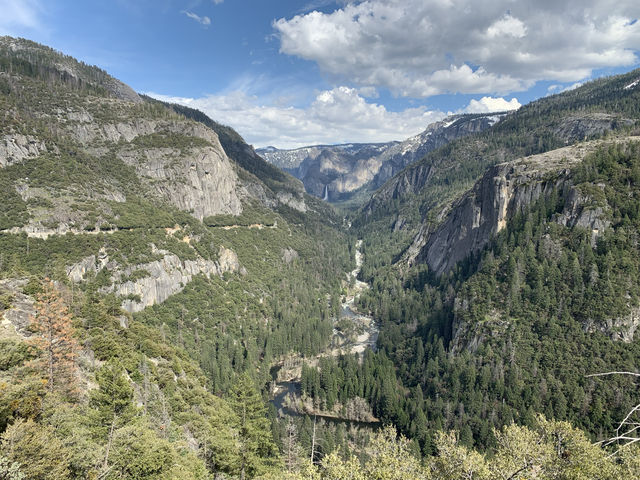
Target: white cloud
[(217, 2), (206, 21), (18, 15), (420, 48), (507, 26), (491, 104), (553, 89), (339, 115)]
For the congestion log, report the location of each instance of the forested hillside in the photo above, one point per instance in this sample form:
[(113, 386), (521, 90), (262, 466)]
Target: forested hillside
[(157, 277), (546, 290), (178, 271)]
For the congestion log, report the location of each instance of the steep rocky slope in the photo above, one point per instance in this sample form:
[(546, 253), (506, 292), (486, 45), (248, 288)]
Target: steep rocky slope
[(416, 200), (336, 172), (506, 190), (138, 200)]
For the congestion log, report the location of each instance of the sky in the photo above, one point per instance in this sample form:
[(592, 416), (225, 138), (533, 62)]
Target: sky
[(292, 73)]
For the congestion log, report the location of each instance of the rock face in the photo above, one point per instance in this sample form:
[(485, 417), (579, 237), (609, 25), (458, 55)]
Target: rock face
[(579, 212), (398, 156), (334, 172), (15, 148), (621, 329), (160, 279), (581, 127), (15, 319), (199, 179), (505, 190)]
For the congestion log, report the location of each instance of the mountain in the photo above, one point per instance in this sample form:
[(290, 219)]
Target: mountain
[(159, 282), (337, 172), (180, 258), (504, 271)]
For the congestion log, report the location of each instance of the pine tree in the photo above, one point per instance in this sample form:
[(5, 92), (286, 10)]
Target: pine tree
[(113, 402), (257, 449), (55, 339)]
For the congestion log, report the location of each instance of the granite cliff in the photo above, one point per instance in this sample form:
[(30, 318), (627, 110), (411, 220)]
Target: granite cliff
[(504, 191), (337, 172)]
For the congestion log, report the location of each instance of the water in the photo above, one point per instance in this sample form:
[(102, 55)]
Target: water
[(367, 338)]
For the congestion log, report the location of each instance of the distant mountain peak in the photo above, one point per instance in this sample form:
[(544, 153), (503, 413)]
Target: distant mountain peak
[(336, 172)]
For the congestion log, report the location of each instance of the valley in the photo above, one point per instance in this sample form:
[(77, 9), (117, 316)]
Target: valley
[(174, 306), (353, 333)]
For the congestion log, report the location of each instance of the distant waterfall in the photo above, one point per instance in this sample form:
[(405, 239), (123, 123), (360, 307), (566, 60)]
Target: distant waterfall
[(325, 193)]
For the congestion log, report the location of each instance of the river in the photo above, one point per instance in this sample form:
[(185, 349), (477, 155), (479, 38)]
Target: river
[(361, 335)]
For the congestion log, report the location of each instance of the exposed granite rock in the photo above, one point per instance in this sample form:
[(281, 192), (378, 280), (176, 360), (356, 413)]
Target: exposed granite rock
[(333, 172), (200, 180), (202, 183), (621, 329), (15, 148), (581, 127), (293, 201), (78, 271), (289, 255), (436, 135), (505, 190), (579, 211), (17, 317), (408, 182), (166, 276)]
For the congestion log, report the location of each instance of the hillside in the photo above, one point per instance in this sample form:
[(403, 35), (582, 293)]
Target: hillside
[(159, 282), (338, 173), (183, 258), (503, 272)]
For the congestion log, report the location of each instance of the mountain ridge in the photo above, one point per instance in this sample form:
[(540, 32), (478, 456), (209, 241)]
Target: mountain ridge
[(339, 172)]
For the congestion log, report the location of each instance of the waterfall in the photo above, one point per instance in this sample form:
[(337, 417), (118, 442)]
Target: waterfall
[(325, 193)]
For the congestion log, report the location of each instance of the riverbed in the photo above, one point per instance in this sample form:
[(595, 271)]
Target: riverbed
[(365, 337)]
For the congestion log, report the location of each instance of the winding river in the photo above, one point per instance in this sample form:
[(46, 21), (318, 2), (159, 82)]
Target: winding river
[(365, 337)]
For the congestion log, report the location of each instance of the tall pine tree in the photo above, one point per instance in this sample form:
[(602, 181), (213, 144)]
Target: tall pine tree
[(258, 451), (56, 342)]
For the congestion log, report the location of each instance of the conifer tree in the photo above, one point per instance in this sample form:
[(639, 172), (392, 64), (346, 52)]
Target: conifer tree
[(113, 402), (258, 451), (55, 339)]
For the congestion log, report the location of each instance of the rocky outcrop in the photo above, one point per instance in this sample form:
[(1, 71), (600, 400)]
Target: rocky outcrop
[(579, 210), (161, 278), (407, 182), (289, 255), (17, 147), (199, 179), (89, 265), (505, 190), (17, 317), (203, 182), (293, 201), (580, 127), (621, 329), (438, 134)]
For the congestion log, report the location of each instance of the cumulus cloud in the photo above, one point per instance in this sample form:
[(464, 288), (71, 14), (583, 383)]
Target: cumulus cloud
[(206, 21), (419, 48), (339, 115), (491, 104), (19, 14)]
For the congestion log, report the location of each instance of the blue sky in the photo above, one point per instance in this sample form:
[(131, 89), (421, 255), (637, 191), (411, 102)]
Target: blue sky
[(289, 73)]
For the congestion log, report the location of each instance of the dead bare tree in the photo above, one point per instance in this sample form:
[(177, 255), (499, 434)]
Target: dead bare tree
[(627, 432)]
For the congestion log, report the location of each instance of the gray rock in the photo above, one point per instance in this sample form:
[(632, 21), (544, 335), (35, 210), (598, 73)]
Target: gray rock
[(17, 318), (17, 147), (505, 190), (289, 255)]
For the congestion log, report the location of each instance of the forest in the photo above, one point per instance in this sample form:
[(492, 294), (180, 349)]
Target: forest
[(483, 372)]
